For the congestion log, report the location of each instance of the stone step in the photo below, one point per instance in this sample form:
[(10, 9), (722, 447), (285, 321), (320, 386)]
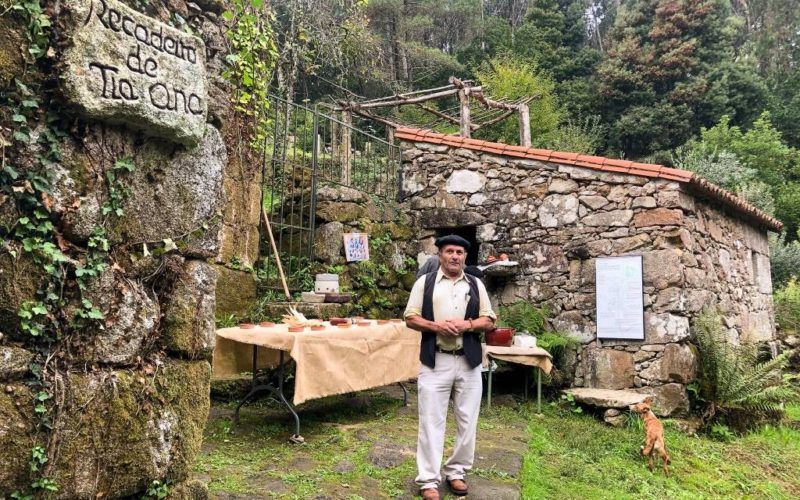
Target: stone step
[(606, 398)]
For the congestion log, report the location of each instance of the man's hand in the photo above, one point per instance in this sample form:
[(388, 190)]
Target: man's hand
[(461, 325), (447, 328)]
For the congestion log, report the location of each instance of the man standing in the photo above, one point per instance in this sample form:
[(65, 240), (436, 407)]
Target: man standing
[(450, 308)]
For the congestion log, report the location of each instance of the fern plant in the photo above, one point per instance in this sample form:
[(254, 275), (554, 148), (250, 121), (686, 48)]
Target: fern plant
[(730, 377)]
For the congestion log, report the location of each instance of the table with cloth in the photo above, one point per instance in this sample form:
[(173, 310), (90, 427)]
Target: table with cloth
[(529, 356), (332, 361)]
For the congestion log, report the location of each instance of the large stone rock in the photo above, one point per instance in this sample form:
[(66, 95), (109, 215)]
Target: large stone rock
[(118, 431), (444, 218), (668, 399), (130, 321), (465, 181), (17, 433), (612, 218), (188, 327), (606, 398), (329, 243), (662, 268), (665, 328), (678, 363), (124, 67), (608, 368), (658, 217), (558, 209), (236, 292), (174, 197), (14, 362)]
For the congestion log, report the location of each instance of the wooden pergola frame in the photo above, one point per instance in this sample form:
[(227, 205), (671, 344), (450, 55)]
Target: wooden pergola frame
[(464, 90)]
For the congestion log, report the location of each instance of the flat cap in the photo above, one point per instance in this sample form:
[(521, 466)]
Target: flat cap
[(452, 239)]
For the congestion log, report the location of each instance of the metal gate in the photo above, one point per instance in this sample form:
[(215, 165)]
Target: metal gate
[(304, 151)]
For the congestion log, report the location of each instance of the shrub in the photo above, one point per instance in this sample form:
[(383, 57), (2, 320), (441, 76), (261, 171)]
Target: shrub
[(730, 381), (525, 317), (787, 306), (784, 261)]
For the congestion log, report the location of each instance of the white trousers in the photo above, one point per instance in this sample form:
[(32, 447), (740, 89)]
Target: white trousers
[(451, 374)]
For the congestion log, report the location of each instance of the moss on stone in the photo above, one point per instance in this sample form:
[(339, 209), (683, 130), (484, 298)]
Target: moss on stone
[(119, 431), (236, 292), (19, 280), (12, 45), (16, 437)]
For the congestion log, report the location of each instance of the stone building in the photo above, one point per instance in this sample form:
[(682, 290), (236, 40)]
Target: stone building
[(556, 212)]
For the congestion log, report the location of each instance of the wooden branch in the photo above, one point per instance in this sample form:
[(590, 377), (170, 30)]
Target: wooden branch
[(441, 115), (376, 118), (500, 118), (464, 121)]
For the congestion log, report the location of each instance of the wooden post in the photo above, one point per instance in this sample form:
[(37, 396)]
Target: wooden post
[(335, 155), (524, 125), (347, 119), (463, 100), (390, 135)]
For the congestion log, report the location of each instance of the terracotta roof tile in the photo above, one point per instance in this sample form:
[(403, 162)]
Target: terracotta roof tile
[(598, 163)]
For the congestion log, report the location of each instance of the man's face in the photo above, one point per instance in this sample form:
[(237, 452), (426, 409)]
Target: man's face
[(452, 258)]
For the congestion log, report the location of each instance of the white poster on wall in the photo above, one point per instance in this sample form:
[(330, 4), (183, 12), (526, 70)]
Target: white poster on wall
[(620, 297)]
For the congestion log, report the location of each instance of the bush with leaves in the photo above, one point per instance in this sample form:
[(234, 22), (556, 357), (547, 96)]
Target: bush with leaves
[(525, 317), (731, 382), (787, 306), (720, 167), (759, 195), (784, 261)]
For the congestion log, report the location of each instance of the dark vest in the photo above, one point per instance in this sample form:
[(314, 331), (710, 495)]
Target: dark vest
[(472, 340)]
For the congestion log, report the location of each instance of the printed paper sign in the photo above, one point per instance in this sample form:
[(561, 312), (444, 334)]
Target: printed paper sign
[(356, 246)]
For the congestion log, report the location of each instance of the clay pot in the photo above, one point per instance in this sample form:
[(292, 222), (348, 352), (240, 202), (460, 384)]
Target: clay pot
[(364, 323), (502, 336), (246, 326), (296, 329), (317, 328), (491, 259), (343, 325), (266, 324), (383, 321), (338, 321)]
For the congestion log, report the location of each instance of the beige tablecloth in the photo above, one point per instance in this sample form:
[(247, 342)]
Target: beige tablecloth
[(530, 356), (333, 361)]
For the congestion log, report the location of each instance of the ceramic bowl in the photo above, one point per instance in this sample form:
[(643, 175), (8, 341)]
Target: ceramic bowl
[(502, 336)]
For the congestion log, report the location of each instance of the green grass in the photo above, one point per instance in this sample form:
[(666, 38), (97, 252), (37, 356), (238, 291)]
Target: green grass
[(566, 455), (577, 456)]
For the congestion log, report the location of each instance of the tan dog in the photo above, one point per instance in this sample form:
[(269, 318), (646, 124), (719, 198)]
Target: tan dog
[(654, 434)]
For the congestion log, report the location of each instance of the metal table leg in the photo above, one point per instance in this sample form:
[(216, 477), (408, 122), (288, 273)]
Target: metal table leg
[(276, 392), (489, 389), (405, 393), (538, 390)]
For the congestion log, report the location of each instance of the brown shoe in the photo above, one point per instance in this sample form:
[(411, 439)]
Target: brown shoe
[(430, 494), (458, 486)]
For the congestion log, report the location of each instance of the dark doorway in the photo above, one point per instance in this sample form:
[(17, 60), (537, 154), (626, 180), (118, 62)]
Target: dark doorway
[(469, 233)]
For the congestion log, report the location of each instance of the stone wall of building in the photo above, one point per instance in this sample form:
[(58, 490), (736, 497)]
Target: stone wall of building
[(557, 219), (128, 388)]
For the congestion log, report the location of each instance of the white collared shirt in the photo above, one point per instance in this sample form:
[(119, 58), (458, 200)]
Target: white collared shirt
[(450, 298)]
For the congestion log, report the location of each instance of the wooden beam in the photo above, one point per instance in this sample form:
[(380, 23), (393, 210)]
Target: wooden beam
[(463, 100), (524, 125), (347, 120), (500, 118)]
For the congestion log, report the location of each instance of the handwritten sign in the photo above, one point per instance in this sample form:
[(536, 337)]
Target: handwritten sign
[(620, 297), (356, 246), (125, 67)]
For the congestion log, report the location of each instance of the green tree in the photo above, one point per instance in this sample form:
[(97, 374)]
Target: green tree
[(509, 79), (657, 78)]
